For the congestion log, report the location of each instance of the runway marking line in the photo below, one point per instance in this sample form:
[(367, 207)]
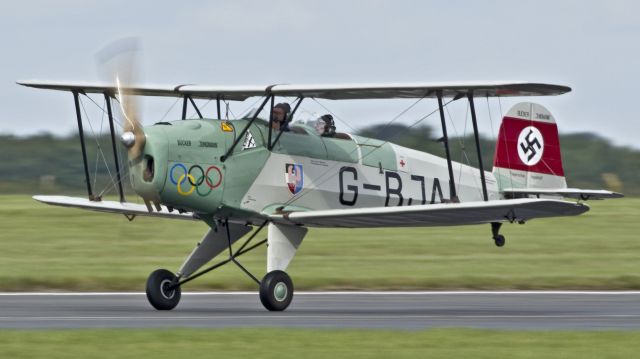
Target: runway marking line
[(345, 293), (328, 317)]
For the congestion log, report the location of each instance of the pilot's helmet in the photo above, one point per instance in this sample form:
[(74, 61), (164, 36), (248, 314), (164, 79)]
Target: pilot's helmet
[(325, 125)]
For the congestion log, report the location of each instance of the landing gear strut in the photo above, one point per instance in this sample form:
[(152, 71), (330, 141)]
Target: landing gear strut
[(276, 288), (497, 237)]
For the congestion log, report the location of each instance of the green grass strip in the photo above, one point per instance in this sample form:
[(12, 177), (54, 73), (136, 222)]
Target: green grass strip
[(52, 248), (308, 344)]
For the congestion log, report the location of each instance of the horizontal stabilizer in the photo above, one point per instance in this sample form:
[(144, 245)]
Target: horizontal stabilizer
[(126, 208), (582, 194), (446, 214)]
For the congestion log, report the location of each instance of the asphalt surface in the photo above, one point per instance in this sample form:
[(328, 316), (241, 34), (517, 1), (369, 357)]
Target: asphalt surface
[(389, 310)]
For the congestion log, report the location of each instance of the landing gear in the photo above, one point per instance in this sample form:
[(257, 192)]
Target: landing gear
[(276, 288), (162, 290), (276, 291), (498, 238)]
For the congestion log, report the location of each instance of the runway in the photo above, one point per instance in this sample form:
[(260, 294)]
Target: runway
[(385, 310)]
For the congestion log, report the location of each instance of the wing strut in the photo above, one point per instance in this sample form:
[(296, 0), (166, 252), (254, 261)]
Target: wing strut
[(452, 186), (218, 107), (107, 99), (193, 103), (475, 136), (244, 130), (83, 146), (184, 107), (273, 100), (185, 100)]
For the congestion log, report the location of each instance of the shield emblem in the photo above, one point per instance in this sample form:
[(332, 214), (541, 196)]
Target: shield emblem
[(294, 177)]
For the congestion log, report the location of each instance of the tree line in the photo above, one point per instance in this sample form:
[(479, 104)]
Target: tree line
[(48, 164)]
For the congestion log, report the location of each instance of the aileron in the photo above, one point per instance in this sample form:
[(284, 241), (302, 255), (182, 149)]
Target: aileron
[(576, 193)]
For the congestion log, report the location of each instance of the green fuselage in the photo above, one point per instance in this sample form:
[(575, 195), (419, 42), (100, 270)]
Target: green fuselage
[(302, 171)]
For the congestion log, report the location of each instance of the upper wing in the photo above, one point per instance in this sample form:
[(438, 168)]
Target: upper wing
[(233, 93), (126, 208), (447, 214), (583, 194), (420, 90), (332, 92)]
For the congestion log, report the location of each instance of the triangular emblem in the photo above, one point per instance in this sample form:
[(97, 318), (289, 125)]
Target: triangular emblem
[(249, 141)]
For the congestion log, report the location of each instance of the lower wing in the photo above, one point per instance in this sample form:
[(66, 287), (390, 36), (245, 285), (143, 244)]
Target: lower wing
[(446, 214), (126, 208), (577, 193)]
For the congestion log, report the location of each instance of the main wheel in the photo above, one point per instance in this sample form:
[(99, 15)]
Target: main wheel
[(276, 291), (159, 291), (499, 240)]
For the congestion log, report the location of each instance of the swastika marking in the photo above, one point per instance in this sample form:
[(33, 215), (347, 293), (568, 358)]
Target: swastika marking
[(530, 145)]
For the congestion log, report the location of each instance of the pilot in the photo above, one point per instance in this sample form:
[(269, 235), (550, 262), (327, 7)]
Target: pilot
[(325, 126), (279, 115)]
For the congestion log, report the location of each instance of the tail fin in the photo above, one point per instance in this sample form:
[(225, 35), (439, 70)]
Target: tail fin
[(528, 150)]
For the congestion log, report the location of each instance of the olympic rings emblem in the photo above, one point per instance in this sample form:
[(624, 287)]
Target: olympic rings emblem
[(192, 179)]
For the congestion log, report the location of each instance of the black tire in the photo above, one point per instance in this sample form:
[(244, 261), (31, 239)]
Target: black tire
[(276, 291), (499, 240), (158, 292)]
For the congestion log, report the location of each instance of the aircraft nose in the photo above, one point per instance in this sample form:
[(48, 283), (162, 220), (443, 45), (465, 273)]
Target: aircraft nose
[(148, 172)]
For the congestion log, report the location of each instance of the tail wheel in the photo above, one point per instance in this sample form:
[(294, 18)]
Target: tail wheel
[(161, 293), (499, 240), (276, 291)]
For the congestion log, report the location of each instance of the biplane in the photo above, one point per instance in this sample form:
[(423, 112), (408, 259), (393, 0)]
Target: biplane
[(242, 175)]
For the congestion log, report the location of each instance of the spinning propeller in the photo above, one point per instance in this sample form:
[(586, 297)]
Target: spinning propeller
[(117, 61)]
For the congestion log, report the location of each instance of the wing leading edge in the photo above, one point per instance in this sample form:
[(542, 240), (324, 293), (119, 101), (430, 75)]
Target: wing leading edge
[(126, 208), (449, 214)]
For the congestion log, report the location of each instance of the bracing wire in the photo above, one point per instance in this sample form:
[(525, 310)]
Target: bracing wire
[(244, 112), (334, 115), (228, 110), (100, 151), (121, 162), (464, 156), (329, 174), (103, 110), (490, 120), (170, 108), (193, 112), (506, 146)]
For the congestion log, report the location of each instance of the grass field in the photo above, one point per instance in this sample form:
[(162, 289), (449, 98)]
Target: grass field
[(52, 248), (283, 343)]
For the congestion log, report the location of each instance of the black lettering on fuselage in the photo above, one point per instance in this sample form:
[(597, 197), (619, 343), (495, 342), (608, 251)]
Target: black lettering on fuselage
[(351, 188), (184, 142), (436, 187), (422, 187), (372, 187), (393, 187), (208, 144), (397, 190)]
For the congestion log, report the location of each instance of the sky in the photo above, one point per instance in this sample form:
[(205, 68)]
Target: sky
[(591, 46)]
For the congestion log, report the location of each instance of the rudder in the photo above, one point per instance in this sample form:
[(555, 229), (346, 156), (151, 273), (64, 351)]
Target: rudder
[(528, 149)]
